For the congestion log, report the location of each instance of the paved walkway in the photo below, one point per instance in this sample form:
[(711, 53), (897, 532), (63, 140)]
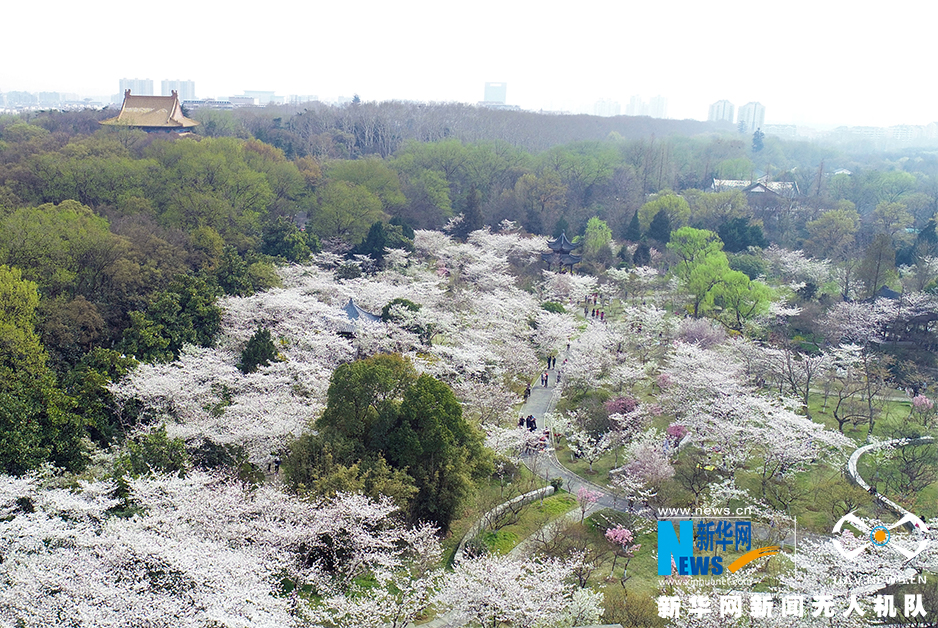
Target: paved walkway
[(545, 464), (859, 481)]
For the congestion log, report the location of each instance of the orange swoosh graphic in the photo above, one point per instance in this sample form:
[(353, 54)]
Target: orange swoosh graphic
[(751, 555)]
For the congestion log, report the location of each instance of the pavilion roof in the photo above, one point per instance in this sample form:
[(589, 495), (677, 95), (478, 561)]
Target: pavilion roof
[(151, 112), (561, 244)]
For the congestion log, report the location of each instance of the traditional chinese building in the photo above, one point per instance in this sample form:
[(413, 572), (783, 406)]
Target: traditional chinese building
[(355, 315), (561, 253), (152, 114)]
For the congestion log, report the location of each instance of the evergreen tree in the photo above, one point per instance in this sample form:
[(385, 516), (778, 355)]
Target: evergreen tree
[(374, 243), (758, 142), (642, 254), (259, 351), (660, 227), (634, 231), (283, 239), (471, 215), (738, 235)]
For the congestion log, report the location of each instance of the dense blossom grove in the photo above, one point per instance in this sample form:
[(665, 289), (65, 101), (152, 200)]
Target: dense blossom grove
[(204, 548), (195, 432)]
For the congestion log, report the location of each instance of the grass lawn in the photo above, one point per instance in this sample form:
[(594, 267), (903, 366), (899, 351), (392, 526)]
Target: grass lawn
[(601, 467), (487, 497), (534, 516)]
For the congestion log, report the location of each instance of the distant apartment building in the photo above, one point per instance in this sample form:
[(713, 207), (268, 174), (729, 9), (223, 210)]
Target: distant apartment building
[(722, 111), (751, 117), (185, 89), (137, 87), (606, 108), (636, 107), (496, 93), (657, 107)]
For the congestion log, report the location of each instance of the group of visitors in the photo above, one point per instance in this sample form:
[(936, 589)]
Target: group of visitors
[(529, 422)]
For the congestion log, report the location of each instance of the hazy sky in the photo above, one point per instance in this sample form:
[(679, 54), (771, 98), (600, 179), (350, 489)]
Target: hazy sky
[(819, 61)]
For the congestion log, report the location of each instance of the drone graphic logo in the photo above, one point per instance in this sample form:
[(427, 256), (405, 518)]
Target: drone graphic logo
[(880, 536)]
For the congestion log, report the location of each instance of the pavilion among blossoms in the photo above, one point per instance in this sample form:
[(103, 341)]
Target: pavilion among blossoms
[(355, 314), (561, 253)]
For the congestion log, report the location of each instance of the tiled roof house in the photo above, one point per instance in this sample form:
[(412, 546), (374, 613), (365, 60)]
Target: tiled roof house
[(152, 113)]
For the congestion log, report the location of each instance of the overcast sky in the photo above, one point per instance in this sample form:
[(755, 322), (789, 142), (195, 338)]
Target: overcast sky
[(819, 61)]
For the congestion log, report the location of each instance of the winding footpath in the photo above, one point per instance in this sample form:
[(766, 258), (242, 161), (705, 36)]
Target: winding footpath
[(545, 464), (859, 481)]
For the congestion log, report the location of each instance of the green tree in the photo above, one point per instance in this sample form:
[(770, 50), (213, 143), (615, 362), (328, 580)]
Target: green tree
[(741, 298), (282, 238), (675, 207), (153, 453), (183, 313), (380, 407), (660, 227), (709, 210), (738, 235), (260, 350), (385, 236), (439, 448), (346, 211), (832, 235), (542, 199), (892, 219), (878, 267), (597, 237), (691, 246), (363, 399), (472, 219), (704, 279), (87, 384), (758, 141), (211, 183), (642, 254), (36, 418), (373, 174), (634, 231), (66, 249), (739, 169)]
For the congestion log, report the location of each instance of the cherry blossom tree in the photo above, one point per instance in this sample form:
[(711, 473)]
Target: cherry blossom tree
[(623, 540), (199, 549), (494, 591)]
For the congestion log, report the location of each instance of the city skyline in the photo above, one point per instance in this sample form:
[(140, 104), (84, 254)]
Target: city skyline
[(832, 77)]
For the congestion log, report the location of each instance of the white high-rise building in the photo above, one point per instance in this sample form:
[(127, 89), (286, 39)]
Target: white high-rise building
[(721, 111), (606, 108), (658, 107), (636, 107), (496, 93), (751, 117), (184, 89), (137, 87)]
